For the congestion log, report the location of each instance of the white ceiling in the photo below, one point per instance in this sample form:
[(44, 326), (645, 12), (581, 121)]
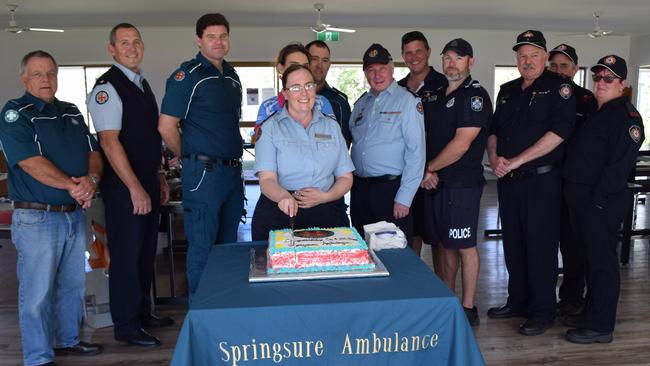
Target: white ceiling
[(626, 17)]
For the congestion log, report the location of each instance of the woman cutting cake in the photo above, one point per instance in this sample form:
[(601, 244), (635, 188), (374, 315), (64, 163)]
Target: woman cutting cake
[(302, 163)]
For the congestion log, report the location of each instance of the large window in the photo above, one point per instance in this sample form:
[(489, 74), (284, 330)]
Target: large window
[(643, 101), (75, 82), (503, 74)]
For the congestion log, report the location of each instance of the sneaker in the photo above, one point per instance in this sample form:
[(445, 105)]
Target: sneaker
[(472, 316)]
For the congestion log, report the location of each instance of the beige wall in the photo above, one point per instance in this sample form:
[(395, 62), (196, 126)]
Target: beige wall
[(166, 47)]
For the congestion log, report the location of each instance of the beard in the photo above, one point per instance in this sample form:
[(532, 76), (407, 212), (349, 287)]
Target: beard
[(455, 74)]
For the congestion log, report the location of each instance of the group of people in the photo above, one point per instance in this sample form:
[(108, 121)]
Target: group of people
[(410, 152)]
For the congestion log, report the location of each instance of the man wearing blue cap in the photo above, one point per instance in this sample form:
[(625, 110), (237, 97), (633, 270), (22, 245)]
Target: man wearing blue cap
[(387, 147), (534, 114)]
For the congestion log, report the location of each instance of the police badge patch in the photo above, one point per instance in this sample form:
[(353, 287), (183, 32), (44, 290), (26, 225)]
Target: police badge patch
[(420, 108), (451, 102), (477, 103), (101, 97), (11, 116), (635, 133), (565, 91), (179, 75)]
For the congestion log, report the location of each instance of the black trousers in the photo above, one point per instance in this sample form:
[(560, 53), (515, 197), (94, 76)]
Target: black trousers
[(573, 260), (598, 229), (530, 214), (268, 216), (132, 241), (373, 201)]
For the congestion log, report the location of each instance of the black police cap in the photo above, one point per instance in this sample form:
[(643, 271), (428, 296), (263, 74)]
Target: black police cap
[(613, 63), (460, 46), (376, 54), (531, 37), (566, 50)]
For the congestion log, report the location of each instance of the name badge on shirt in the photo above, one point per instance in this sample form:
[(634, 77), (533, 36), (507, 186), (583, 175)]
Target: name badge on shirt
[(323, 136)]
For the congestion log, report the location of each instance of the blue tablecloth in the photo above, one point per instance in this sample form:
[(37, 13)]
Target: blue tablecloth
[(408, 318)]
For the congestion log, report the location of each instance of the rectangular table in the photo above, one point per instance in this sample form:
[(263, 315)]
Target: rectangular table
[(408, 318)]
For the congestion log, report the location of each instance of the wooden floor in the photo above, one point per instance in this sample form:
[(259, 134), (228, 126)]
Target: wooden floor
[(498, 339)]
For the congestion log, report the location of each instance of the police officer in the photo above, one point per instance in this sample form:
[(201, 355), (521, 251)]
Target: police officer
[(426, 82), (563, 60), (125, 115), (204, 95), (456, 138), (599, 159), (534, 114), (319, 65), (54, 168), (387, 147), (307, 177)]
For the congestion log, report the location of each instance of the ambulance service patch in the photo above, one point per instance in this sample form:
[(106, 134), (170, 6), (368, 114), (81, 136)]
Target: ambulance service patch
[(11, 116), (635, 133), (179, 75), (477, 103), (101, 97), (565, 91)]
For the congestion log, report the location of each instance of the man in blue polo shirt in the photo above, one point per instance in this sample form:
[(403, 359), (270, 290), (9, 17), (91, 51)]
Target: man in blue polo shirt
[(204, 96), (53, 173)]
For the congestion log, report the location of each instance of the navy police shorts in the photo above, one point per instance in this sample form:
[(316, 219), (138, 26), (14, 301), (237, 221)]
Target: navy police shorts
[(451, 216)]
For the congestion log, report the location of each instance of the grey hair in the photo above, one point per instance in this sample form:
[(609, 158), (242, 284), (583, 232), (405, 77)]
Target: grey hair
[(33, 54)]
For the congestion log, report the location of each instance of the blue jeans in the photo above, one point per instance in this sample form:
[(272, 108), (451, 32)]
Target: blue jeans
[(51, 280), (213, 202)]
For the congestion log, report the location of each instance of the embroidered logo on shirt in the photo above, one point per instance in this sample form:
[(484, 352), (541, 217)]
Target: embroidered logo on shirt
[(101, 97), (179, 75), (451, 102), (74, 121), (635, 133), (420, 108), (477, 103), (565, 91), (11, 116)]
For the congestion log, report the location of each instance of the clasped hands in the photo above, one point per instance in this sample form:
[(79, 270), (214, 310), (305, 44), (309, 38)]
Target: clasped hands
[(83, 190), (302, 198), (502, 166)]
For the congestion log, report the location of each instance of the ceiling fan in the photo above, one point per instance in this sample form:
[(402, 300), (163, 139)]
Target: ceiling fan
[(597, 32), (15, 28), (322, 27)]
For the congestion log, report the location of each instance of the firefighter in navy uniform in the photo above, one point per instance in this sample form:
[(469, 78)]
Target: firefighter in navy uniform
[(534, 115), (563, 60), (599, 159), (424, 81)]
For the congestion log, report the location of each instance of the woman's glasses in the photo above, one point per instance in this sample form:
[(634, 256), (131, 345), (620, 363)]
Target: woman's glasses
[(297, 87), (608, 78)]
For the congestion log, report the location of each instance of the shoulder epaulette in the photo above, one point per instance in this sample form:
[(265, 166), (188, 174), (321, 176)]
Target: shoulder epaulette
[(631, 110), (510, 84), (361, 97), (268, 117), (340, 93), (101, 81)]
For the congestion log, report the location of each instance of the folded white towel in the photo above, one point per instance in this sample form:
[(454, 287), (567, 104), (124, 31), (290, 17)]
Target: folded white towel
[(384, 235)]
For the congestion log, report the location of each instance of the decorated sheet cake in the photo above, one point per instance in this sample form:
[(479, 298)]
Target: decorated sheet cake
[(317, 250)]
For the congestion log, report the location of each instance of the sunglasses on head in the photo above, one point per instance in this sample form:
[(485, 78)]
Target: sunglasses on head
[(608, 78)]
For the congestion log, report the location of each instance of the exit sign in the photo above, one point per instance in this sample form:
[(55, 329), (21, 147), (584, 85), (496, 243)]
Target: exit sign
[(328, 36)]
